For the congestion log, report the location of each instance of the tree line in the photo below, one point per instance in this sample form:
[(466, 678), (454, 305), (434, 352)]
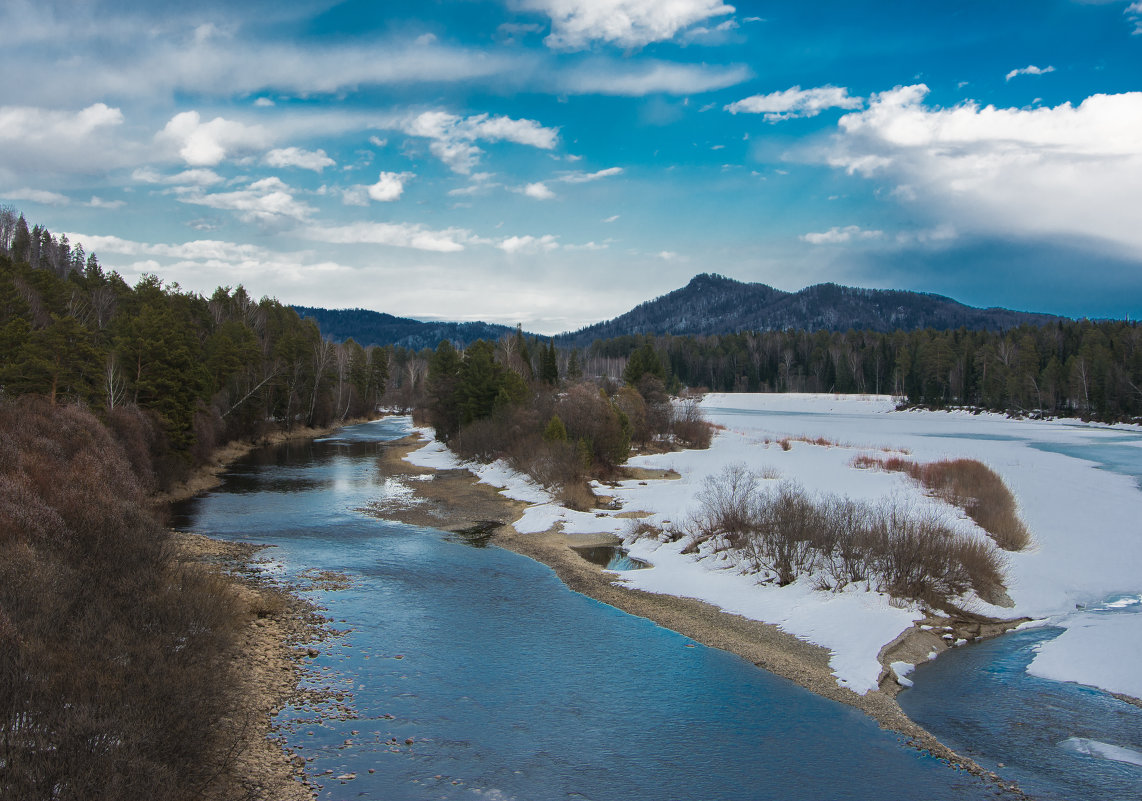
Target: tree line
[(1080, 368), (203, 370)]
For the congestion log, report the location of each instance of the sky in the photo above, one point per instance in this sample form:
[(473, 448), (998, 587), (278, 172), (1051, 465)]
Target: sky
[(554, 163)]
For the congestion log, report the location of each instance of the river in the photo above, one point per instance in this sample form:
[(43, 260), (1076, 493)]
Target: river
[(476, 674)]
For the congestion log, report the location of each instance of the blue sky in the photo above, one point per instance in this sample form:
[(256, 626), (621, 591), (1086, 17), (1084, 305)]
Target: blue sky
[(555, 162)]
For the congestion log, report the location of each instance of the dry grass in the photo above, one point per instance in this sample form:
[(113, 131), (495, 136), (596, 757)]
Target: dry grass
[(115, 676), (970, 485)]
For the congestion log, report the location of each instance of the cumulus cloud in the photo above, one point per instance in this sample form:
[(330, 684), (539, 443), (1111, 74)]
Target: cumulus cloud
[(206, 144), (514, 245), (389, 187), (267, 201), (796, 102), (35, 141), (401, 235), (315, 160), (1067, 170), (839, 236), (538, 190), (1030, 69), (576, 24), (453, 138)]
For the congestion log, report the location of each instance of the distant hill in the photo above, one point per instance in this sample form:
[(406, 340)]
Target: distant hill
[(714, 304), (377, 328), (709, 304)]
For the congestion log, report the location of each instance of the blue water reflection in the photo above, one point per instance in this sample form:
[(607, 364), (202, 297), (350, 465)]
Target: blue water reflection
[(510, 686)]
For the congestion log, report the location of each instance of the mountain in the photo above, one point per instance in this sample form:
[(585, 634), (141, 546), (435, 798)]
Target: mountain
[(709, 304), (714, 304), (377, 328)]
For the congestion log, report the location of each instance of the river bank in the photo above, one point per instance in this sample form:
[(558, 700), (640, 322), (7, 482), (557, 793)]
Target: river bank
[(209, 475), (268, 655), (457, 501)]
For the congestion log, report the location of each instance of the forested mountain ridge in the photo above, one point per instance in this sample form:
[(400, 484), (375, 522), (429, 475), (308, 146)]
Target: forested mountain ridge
[(714, 304), (378, 328)]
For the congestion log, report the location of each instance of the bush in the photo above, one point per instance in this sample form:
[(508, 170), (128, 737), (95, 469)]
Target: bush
[(690, 427), (785, 533), (970, 485), (114, 667)]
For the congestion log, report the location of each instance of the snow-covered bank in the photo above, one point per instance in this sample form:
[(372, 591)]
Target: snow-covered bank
[(1085, 522)]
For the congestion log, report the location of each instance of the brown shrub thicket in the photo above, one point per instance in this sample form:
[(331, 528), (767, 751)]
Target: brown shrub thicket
[(970, 485), (786, 533), (561, 439), (113, 658)]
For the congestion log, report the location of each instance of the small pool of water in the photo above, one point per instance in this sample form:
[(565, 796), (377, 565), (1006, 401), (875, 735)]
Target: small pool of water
[(610, 557)]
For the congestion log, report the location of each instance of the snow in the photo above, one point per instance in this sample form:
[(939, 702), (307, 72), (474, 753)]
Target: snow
[(902, 669), (1100, 750), (1094, 649), (1086, 523)]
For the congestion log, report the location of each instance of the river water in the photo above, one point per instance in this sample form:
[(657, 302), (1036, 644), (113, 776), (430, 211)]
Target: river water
[(476, 674), (1060, 741)]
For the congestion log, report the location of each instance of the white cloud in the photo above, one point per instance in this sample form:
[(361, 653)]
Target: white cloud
[(453, 137), (796, 102), (20, 122), (610, 219), (576, 24), (538, 190), (198, 250), (377, 141), (268, 200), (1031, 69), (196, 177), (528, 244), (37, 141), (840, 236), (206, 144), (97, 202), (585, 177), (401, 235), (637, 79), (1133, 13), (41, 196), (315, 160), (264, 102), (1067, 170), (389, 186)]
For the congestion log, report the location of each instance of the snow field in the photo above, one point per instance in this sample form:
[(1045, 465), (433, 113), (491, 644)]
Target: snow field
[(1086, 524)]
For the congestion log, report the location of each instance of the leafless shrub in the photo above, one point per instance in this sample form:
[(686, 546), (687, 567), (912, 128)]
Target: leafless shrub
[(970, 485), (690, 425), (786, 533), (115, 672), (728, 506)]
